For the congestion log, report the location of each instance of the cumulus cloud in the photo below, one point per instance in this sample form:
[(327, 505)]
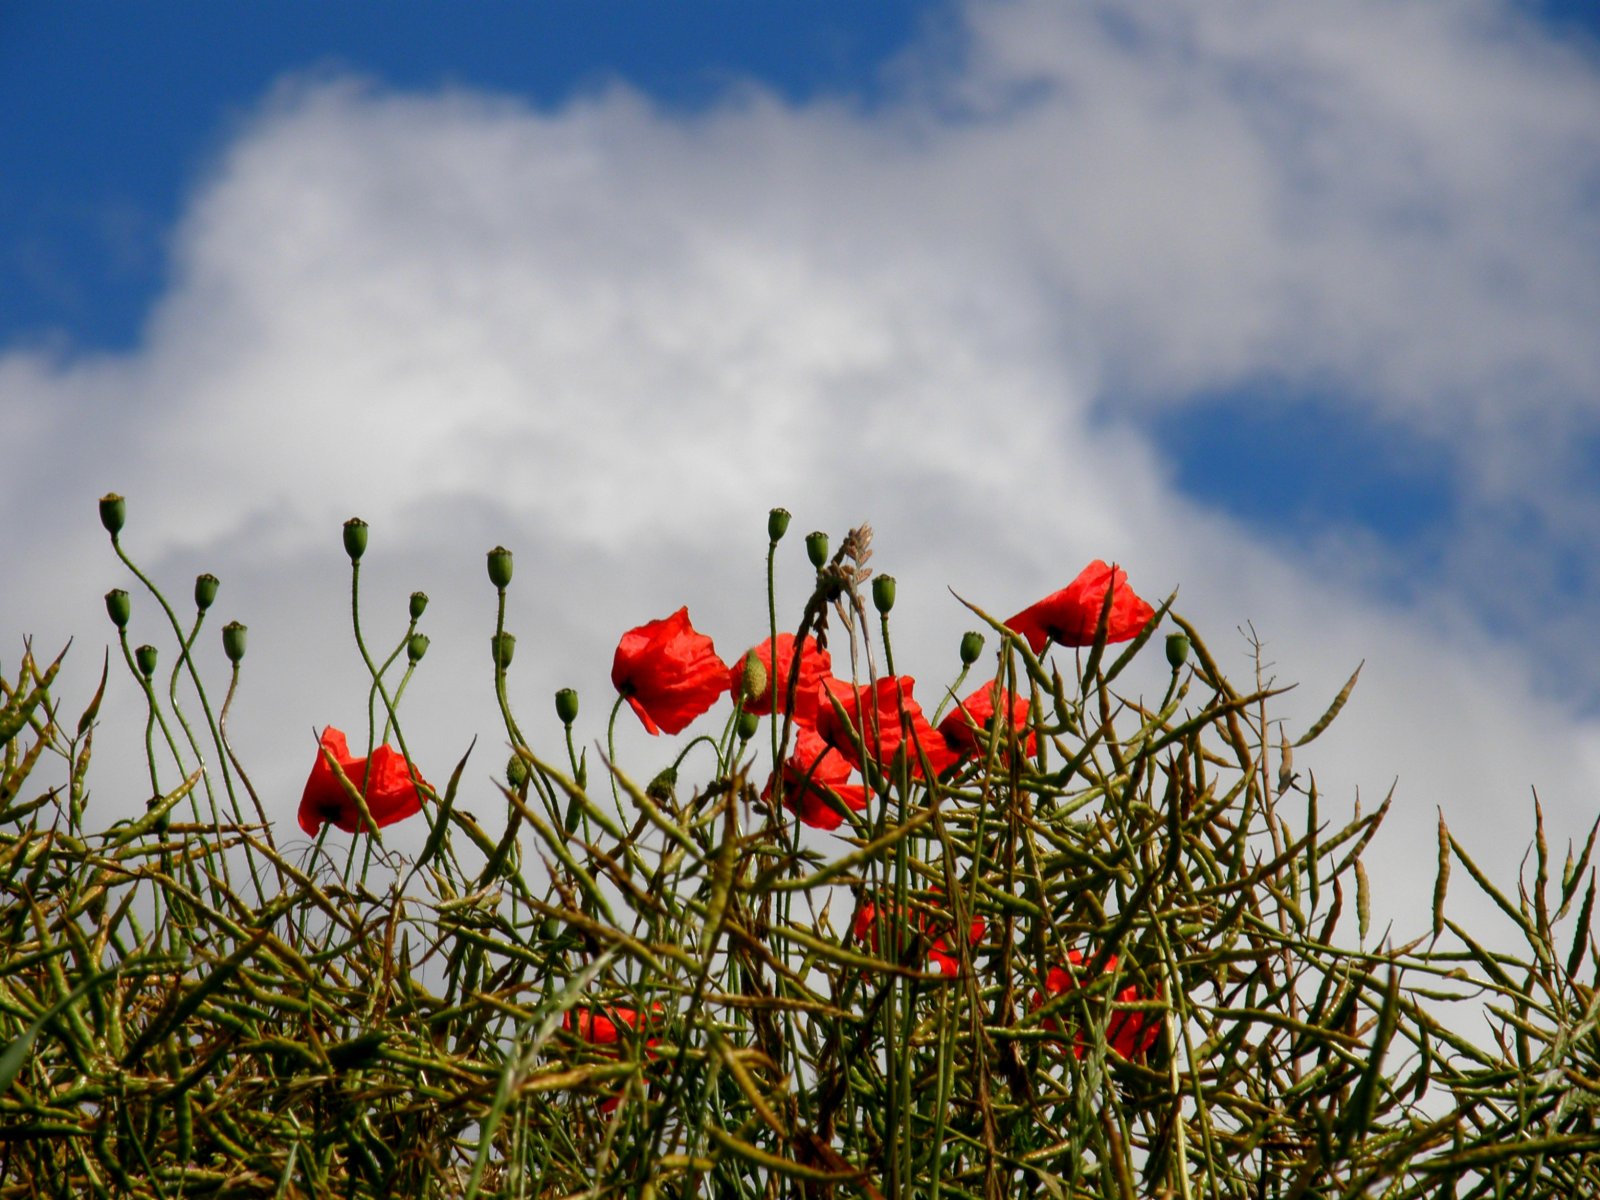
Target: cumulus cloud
[(610, 336)]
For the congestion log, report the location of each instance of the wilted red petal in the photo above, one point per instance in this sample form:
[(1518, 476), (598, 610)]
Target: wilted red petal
[(966, 729), (886, 717), (865, 929), (811, 775), (390, 793), (1069, 617), (668, 673), (816, 665), (1129, 1034), (598, 1027)]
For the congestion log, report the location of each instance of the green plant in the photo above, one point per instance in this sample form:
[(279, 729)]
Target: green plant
[(1098, 951)]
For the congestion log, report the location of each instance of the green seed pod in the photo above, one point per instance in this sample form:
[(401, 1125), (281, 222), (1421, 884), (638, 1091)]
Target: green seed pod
[(501, 647), (748, 724), (883, 593), (419, 605), (113, 512), (355, 538), (416, 647), (1177, 649), (118, 607), (500, 567), (777, 524), (516, 772), (817, 548), (205, 590), (233, 641), (567, 705), (145, 657), (971, 647)]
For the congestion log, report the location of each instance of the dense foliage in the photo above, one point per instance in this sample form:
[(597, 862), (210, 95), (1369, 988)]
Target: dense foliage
[(1026, 936)]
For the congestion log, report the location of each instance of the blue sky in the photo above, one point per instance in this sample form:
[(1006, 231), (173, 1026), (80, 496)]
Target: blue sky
[(128, 103), (1291, 306)]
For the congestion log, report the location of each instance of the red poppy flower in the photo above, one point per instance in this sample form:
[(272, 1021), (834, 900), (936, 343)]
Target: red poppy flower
[(1129, 1034), (599, 1027), (668, 673), (1069, 617), (384, 781), (816, 665), (966, 729), (814, 783), (865, 928), (886, 717)]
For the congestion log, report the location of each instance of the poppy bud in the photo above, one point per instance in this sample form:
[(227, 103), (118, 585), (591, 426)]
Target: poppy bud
[(355, 538), (516, 772), (1177, 649), (748, 724), (416, 647), (883, 593), (419, 605), (567, 705), (500, 567), (118, 606), (754, 684), (664, 786), (971, 647), (113, 512), (501, 648), (205, 591), (777, 524), (145, 656), (233, 639), (817, 548)]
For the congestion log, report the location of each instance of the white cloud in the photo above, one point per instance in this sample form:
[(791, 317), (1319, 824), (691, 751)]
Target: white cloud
[(611, 337)]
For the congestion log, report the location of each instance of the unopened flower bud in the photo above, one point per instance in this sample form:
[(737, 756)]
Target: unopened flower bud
[(817, 548), (355, 538), (233, 639), (145, 657), (419, 605), (664, 786), (748, 724), (567, 705), (416, 647), (205, 591), (118, 607), (500, 567), (971, 647), (777, 524), (1177, 649), (754, 683), (501, 647), (113, 512), (883, 593), (516, 772)]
